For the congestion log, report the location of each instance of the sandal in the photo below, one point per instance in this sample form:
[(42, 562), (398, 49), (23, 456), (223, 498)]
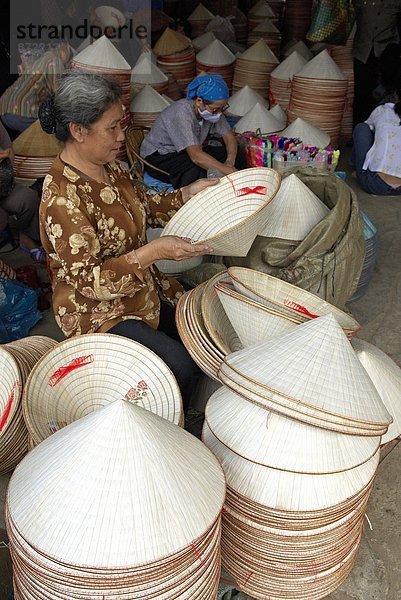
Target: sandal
[(37, 254)]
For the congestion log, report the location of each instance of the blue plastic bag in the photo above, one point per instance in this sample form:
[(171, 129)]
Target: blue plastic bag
[(18, 310)]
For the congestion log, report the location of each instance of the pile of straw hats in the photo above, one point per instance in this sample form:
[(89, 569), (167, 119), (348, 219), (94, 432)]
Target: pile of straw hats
[(300, 47), (175, 55), (123, 511), (318, 95), (84, 373), (146, 106), (297, 19), (253, 68), (198, 19), (203, 41), (7, 272), (342, 56), (259, 119), (266, 30), (244, 100), (34, 153), (281, 77), (308, 133), (216, 59), (145, 72), (240, 24), (16, 362), (229, 225), (259, 13), (279, 114)]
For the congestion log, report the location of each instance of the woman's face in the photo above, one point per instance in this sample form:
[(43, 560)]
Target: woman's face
[(102, 142)]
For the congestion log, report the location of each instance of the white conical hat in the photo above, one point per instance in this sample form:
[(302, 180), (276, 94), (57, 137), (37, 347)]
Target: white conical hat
[(294, 211), (283, 443), (204, 40), (242, 101), (201, 13), (260, 52), (168, 99), (261, 9), (285, 491), (316, 368), (145, 71), (322, 66), (84, 44), (280, 114), (128, 478), (258, 118), (386, 376), (266, 26), (308, 133), (102, 53), (148, 100), (109, 16), (299, 47), (289, 67), (217, 54)]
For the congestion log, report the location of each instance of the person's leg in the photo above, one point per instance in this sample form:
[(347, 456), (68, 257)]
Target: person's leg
[(366, 78), (182, 171), (363, 138), (23, 202)]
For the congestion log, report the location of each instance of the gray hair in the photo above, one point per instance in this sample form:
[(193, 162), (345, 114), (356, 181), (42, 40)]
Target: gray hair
[(81, 98)]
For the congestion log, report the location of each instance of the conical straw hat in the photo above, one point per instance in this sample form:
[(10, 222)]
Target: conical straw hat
[(289, 67), (269, 439), (109, 16), (266, 26), (315, 368), (171, 42), (299, 47), (84, 44), (286, 491), (258, 118), (201, 13), (260, 52), (34, 142), (308, 133), (322, 66), (215, 55), (148, 101), (203, 41), (244, 100), (145, 71), (386, 376), (294, 212), (128, 478), (102, 53), (261, 9), (279, 114)]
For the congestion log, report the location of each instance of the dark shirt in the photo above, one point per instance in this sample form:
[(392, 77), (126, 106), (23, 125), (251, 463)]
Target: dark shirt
[(377, 24)]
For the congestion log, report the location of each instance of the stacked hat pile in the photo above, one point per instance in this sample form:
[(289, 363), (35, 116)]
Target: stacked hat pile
[(203, 41), (259, 119), (240, 24), (371, 253), (342, 56), (175, 55), (145, 72), (308, 133), (146, 107), (81, 374), (281, 77), (297, 488), (198, 19), (242, 102), (216, 59), (144, 511), (16, 360), (7, 272), (34, 153), (297, 19), (318, 95), (266, 30), (278, 7), (300, 47), (279, 114), (253, 68), (258, 13)]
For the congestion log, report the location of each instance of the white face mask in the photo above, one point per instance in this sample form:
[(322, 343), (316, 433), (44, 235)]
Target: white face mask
[(208, 116)]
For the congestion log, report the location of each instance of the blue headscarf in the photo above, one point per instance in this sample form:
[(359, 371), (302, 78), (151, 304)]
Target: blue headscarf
[(208, 87)]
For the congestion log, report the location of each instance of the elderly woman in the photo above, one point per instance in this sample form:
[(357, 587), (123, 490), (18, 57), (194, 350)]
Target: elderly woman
[(175, 142), (93, 224)]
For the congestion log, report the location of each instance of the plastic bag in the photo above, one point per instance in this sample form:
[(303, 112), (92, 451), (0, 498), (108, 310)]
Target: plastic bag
[(332, 21), (18, 310)]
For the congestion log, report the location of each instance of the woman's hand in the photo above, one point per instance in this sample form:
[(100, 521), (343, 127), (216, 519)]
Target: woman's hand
[(197, 186), (169, 247)]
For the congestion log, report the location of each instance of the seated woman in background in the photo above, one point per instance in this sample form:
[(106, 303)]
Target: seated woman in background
[(377, 149), (93, 224), (174, 144)]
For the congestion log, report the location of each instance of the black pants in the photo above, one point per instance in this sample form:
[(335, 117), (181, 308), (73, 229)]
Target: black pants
[(181, 168), (165, 342), (23, 202)]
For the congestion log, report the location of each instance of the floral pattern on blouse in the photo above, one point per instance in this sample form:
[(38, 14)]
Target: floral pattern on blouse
[(89, 231)]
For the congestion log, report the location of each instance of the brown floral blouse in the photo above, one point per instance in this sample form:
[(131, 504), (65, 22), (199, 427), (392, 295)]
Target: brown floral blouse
[(88, 230)]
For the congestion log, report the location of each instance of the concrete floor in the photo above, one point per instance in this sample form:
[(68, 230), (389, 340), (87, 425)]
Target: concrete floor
[(377, 573)]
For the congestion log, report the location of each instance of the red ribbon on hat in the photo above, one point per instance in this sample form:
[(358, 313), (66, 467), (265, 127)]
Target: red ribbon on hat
[(299, 308), (9, 404), (58, 375), (259, 189)]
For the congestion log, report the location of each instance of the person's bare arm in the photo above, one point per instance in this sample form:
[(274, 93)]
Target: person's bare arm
[(205, 161)]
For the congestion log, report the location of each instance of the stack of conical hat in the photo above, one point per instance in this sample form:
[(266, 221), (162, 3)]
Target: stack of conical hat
[(318, 94), (240, 24), (199, 18), (34, 153), (174, 91), (258, 119), (244, 100), (258, 13), (297, 46), (295, 211), (278, 7), (280, 114), (146, 107), (253, 68), (175, 55), (297, 19), (342, 56), (217, 59), (203, 41), (6, 271), (128, 498), (281, 77), (308, 133), (386, 376), (266, 30), (145, 72)]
